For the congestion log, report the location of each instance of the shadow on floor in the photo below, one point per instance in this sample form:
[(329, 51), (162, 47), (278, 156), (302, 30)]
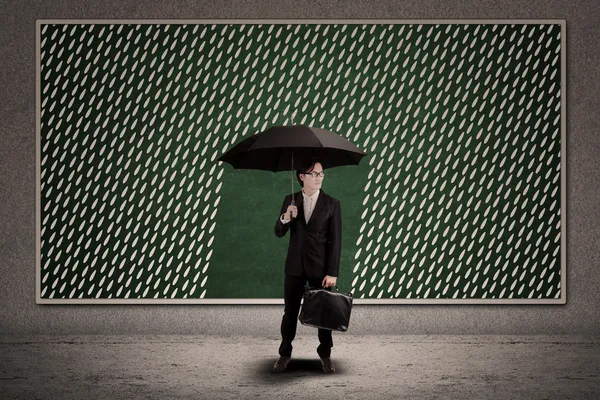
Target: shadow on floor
[(297, 368)]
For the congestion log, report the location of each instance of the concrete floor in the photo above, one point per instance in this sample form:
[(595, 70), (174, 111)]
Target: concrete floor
[(368, 367)]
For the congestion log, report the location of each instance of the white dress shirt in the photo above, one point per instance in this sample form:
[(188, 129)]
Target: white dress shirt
[(309, 206)]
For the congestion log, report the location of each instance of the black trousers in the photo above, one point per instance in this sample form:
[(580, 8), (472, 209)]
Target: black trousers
[(293, 291)]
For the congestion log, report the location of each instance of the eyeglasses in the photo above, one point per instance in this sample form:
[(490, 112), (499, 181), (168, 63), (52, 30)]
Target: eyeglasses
[(316, 174)]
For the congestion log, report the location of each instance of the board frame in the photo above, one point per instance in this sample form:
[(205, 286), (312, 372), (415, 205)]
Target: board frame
[(563, 207)]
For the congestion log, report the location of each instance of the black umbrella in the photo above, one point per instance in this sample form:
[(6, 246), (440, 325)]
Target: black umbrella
[(279, 147)]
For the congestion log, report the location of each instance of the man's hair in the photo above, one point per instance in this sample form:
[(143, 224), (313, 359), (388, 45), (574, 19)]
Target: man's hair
[(306, 170)]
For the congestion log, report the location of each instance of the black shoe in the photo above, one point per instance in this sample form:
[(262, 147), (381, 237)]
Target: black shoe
[(328, 365), (281, 364)]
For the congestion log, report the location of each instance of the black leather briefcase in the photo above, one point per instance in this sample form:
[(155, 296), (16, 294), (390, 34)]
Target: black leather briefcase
[(326, 309)]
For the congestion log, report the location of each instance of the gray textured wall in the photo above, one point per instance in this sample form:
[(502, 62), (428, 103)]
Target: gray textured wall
[(20, 315)]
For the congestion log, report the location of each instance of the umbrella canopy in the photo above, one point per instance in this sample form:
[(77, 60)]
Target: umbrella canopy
[(279, 148)]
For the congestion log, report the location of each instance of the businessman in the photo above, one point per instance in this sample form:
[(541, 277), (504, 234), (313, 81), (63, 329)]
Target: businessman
[(315, 225)]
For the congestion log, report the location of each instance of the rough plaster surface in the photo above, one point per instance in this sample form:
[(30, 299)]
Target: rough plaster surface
[(20, 315), (367, 367)]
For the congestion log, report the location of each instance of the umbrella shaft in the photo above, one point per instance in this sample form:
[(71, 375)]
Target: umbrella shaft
[(293, 202)]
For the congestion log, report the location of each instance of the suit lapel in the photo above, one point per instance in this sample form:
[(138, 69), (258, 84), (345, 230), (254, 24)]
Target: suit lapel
[(318, 207)]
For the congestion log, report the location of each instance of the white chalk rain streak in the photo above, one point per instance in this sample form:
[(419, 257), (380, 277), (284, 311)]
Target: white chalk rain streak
[(336, 96), (382, 267), (187, 270)]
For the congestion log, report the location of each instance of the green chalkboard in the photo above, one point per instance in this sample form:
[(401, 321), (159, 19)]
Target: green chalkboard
[(458, 200)]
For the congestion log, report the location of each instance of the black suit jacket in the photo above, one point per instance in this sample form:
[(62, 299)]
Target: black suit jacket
[(316, 246)]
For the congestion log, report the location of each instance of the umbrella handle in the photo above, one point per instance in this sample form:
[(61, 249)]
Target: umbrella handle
[(293, 203)]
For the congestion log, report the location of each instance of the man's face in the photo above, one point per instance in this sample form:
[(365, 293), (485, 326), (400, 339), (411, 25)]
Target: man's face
[(311, 183)]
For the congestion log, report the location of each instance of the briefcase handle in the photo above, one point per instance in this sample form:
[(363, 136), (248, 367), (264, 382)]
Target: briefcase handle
[(307, 288), (347, 294)]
